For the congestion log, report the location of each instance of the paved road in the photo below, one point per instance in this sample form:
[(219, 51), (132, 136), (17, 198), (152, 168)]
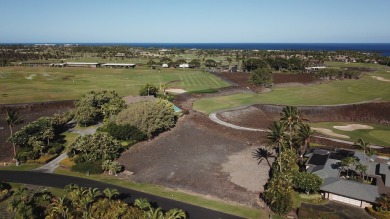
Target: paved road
[(60, 181)]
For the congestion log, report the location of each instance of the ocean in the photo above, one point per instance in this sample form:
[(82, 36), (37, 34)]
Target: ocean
[(382, 48)]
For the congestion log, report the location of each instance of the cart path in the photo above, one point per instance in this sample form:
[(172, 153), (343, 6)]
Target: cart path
[(213, 117), (52, 165)]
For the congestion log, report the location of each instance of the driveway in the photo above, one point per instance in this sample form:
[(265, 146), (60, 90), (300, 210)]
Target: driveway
[(128, 195), (334, 210)]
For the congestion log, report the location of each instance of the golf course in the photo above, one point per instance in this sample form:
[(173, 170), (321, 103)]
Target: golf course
[(35, 84)]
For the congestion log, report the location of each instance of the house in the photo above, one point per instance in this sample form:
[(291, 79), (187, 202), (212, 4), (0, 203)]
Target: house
[(185, 65), (120, 54), (82, 64), (326, 164), (314, 68), (117, 65), (233, 68)]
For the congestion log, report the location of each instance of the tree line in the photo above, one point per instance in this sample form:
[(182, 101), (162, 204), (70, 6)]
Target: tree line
[(83, 202)]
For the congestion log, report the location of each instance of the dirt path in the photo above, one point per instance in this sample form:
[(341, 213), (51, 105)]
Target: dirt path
[(213, 117)]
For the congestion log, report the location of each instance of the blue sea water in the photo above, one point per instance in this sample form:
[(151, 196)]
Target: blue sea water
[(382, 48)]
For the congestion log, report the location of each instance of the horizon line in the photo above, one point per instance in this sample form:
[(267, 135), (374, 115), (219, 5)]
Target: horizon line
[(194, 43)]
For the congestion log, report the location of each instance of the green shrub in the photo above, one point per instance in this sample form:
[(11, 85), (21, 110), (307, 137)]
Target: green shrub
[(282, 203), (378, 215), (307, 182), (312, 198), (152, 118), (91, 148), (43, 159), (55, 148), (66, 163), (88, 167), (125, 132)]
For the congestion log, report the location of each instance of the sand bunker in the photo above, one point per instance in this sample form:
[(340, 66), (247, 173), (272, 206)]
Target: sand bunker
[(352, 127), (176, 91), (245, 171), (30, 77), (381, 78), (330, 133)]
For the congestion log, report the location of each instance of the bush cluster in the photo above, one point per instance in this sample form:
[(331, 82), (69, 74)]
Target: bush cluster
[(125, 132), (88, 167), (151, 117)]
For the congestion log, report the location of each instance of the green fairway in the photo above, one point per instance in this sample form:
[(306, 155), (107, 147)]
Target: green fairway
[(330, 93), (34, 84), (380, 135)]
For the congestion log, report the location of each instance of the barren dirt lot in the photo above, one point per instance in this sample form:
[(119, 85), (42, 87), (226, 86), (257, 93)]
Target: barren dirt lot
[(193, 156)]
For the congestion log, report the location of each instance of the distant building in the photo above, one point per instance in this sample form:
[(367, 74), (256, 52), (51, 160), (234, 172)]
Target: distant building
[(120, 54), (233, 68), (314, 68), (82, 64), (117, 65), (184, 65)]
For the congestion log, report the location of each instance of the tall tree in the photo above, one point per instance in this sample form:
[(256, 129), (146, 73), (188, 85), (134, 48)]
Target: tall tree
[(362, 145), (261, 77), (304, 135), (291, 117), (348, 162), (12, 118), (277, 138)]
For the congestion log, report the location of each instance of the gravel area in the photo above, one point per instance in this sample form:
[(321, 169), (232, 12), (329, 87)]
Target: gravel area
[(200, 156)]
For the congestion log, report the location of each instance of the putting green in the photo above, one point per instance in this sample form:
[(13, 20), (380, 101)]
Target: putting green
[(379, 135)]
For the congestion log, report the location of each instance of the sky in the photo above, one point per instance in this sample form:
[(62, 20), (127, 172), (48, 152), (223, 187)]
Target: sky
[(196, 21)]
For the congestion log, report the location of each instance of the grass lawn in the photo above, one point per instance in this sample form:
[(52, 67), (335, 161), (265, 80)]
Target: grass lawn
[(198, 200), (22, 167), (33, 84), (380, 135), (331, 93)]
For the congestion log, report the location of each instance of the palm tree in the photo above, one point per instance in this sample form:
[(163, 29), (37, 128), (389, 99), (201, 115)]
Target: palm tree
[(362, 144), (291, 118), (110, 193), (361, 169), (175, 214), (277, 137), (304, 135), (142, 203), (106, 166), (115, 167), (12, 119), (155, 213), (263, 153), (348, 162)]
